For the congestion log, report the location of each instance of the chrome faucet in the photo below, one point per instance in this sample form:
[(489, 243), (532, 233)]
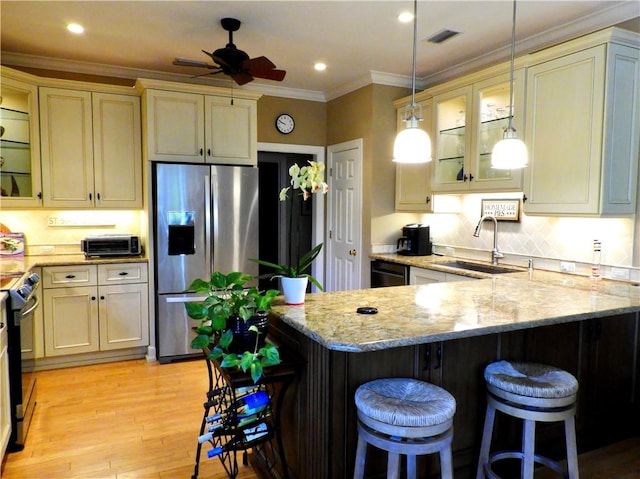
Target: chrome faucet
[(495, 254)]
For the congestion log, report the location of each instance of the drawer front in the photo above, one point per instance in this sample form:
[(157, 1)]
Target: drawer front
[(122, 273), (66, 276)]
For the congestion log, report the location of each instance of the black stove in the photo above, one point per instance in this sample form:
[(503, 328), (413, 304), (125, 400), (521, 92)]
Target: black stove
[(21, 306)]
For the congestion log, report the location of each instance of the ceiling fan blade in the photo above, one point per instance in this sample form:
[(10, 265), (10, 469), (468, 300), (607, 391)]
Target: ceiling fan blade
[(241, 78), (258, 63), (277, 75), (185, 62)]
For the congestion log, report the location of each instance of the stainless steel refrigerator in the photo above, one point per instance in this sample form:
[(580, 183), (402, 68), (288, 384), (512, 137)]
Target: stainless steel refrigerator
[(206, 219)]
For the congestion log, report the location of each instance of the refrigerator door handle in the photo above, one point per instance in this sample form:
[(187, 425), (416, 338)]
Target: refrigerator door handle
[(215, 202), (185, 299), (207, 225)]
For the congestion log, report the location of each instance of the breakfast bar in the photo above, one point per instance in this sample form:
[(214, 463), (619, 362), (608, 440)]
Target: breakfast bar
[(446, 333)]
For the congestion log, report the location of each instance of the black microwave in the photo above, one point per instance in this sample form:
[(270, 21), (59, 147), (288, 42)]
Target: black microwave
[(112, 245)]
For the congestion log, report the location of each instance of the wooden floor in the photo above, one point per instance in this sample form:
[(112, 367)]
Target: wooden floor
[(135, 419), (129, 419)]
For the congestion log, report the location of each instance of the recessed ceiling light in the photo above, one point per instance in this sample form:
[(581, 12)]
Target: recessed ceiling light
[(405, 17), (75, 28), (320, 66)]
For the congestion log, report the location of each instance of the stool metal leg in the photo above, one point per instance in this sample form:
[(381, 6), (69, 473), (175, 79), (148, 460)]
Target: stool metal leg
[(446, 463), (361, 455), (528, 445), (393, 466), (411, 467), (486, 440), (572, 453)]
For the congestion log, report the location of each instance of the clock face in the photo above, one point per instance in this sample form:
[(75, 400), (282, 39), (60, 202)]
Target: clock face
[(285, 123)]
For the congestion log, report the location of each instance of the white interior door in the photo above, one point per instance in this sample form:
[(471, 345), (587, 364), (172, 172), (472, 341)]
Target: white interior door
[(344, 219)]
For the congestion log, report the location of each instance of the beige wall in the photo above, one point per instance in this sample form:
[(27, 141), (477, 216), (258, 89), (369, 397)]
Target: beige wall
[(310, 118), (368, 113)]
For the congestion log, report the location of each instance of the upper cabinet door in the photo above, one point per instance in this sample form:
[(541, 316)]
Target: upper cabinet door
[(20, 180), (231, 130), (175, 126), (413, 181), (67, 147), (582, 133), (117, 150)]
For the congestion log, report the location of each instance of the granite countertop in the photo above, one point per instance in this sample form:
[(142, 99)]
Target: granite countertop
[(409, 315), (27, 263)]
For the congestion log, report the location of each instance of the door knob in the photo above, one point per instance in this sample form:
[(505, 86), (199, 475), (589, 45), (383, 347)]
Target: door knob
[(352, 252)]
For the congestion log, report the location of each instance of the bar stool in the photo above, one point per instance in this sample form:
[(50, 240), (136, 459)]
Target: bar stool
[(404, 416), (532, 392)]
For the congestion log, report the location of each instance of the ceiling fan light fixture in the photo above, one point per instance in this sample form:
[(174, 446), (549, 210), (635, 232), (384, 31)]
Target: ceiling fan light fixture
[(510, 153), (412, 145)]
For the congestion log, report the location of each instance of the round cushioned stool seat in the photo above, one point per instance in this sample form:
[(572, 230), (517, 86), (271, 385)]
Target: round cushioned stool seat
[(404, 416), (531, 379), (405, 402)]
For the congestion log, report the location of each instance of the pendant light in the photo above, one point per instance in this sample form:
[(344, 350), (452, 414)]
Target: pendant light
[(510, 152), (412, 145)]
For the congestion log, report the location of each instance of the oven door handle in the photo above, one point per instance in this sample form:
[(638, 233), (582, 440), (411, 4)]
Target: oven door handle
[(32, 308)]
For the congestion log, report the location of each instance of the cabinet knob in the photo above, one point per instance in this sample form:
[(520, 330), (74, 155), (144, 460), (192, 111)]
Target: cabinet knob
[(98, 196), (93, 298), (101, 297)]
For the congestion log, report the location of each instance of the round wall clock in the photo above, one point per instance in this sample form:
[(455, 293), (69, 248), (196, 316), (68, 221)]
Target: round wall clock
[(285, 124)]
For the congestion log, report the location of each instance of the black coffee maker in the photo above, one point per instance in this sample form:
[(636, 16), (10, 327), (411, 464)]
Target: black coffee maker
[(415, 241)]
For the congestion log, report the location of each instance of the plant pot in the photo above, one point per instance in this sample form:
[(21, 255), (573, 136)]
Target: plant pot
[(294, 290), (243, 339)]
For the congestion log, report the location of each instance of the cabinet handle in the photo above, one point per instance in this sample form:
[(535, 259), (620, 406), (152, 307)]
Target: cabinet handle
[(465, 178), (39, 195), (201, 151), (90, 197), (209, 152), (98, 196), (123, 273), (70, 276), (470, 177), (524, 198), (428, 199), (438, 357), (427, 357)]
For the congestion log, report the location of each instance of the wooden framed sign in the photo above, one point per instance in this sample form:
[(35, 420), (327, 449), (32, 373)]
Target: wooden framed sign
[(503, 210)]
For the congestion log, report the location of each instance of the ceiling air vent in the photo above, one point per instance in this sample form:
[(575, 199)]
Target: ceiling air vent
[(442, 35)]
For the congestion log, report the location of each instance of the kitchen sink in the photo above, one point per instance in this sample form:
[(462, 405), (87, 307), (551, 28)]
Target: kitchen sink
[(481, 268)]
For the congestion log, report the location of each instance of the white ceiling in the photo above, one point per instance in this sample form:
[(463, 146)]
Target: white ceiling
[(356, 39)]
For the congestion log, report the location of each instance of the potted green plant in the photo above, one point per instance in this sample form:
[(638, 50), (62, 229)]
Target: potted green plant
[(308, 180), (232, 314)]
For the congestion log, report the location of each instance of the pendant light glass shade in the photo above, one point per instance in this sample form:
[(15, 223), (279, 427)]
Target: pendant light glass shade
[(412, 145), (510, 153)]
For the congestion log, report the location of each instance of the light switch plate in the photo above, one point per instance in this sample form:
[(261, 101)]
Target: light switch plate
[(620, 273), (567, 267)]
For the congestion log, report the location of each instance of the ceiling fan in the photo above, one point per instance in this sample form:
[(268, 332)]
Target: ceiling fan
[(234, 62)]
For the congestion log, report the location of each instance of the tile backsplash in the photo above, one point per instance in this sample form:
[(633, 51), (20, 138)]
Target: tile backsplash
[(60, 232)]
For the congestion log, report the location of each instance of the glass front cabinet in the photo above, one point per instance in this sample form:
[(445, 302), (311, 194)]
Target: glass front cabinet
[(468, 122), (20, 184)]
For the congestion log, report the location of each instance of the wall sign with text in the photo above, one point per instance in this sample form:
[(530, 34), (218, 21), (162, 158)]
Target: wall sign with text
[(503, 210)]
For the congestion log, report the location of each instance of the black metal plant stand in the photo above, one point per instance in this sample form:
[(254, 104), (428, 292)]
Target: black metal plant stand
[(228, 429)]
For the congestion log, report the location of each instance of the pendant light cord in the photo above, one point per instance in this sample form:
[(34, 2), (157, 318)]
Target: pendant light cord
[(415, 35), (513, 48)]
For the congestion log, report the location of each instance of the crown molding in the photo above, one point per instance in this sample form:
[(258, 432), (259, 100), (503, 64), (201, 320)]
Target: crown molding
[(99, 69)]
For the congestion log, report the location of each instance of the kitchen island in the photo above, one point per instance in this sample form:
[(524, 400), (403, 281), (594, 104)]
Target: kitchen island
[(446, 333)]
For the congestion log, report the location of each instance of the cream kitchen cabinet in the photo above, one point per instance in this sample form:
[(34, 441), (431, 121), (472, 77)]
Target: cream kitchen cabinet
[(20, 173), (90, 308), (413, 181), (582, 115), (468, 120), (201, 128), (5, 397), (91, 149), (428, 276)]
